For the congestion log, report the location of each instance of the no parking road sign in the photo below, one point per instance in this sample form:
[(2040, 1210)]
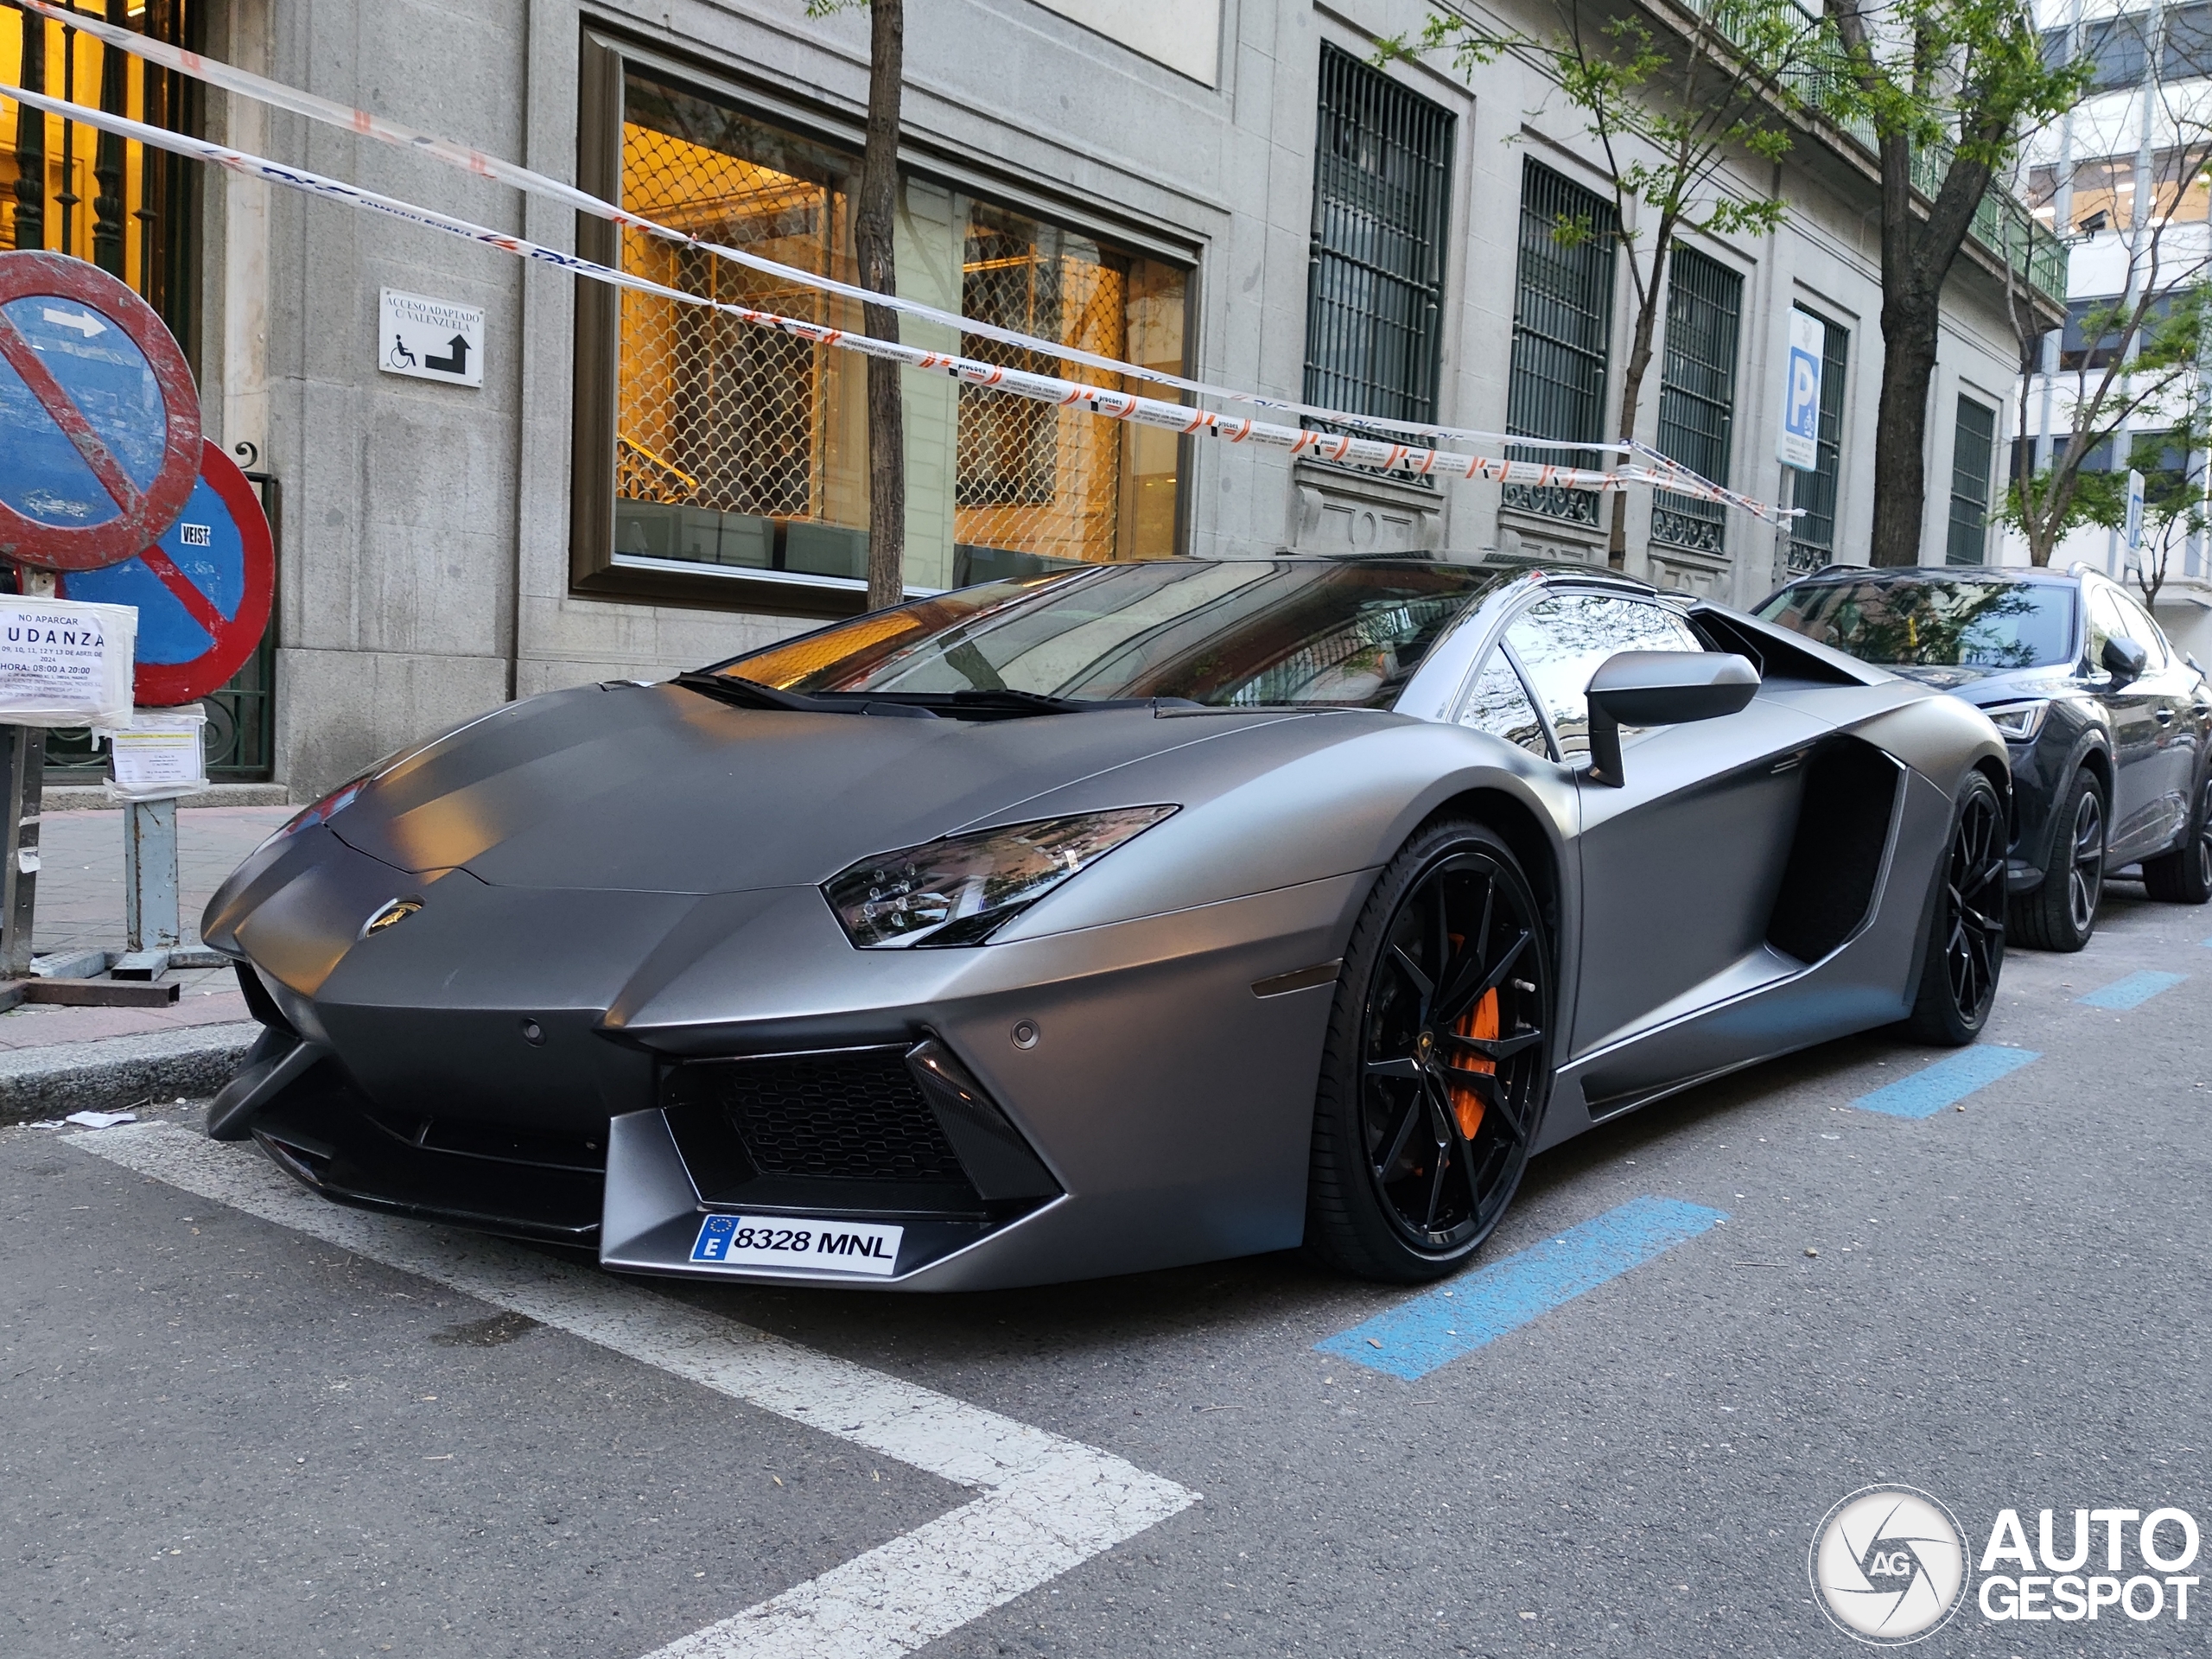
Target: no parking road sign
[(202, 591), (100, 422)]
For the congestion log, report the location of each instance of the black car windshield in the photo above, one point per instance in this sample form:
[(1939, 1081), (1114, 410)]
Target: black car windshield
[(1226, 632), (1934, 621)]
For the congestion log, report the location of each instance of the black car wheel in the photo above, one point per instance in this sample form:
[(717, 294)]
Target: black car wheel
[(2184, 875), (1436, 1067), (2061, 913), (1966, 937)]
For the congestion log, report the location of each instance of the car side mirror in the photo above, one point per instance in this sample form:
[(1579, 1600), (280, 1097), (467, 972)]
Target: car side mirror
[(2125, 660), (1661, 688)]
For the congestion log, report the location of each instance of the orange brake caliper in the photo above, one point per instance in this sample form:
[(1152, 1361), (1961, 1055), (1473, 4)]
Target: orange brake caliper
[(1481, 1020)]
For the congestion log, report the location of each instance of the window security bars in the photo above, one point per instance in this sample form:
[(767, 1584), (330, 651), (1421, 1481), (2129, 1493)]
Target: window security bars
[(1562, 333), (1697, 394), (1382, 175), (1812, 538), (1970, 454)]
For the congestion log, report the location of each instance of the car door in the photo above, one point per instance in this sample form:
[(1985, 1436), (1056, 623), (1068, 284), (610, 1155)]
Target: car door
[(1681, 862), (2172, 686), (2138, 786)]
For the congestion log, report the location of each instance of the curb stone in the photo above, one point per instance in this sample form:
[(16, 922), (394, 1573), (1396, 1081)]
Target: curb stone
[(115, 1073)]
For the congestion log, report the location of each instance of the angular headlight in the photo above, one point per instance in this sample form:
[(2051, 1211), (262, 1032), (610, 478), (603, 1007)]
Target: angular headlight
[(964, 888), (2019, 722)]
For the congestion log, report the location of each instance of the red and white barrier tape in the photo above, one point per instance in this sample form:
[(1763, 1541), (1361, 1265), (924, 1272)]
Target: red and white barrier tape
[(277, 94), (1370, 453)]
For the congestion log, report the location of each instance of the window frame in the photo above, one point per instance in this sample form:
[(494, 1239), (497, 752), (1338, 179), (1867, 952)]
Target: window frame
[(607, 56), (1681, 521), (1524, 378), (1956, 499), (1332, 319)]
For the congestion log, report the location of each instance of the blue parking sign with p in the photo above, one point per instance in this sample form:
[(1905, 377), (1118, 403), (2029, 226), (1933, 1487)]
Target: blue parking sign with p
[(1800, 438)]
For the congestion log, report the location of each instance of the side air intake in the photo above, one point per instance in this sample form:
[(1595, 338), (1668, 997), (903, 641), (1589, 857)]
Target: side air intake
[(1844, 823)]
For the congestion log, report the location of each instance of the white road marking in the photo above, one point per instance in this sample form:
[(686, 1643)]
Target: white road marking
[(1047, 1504)]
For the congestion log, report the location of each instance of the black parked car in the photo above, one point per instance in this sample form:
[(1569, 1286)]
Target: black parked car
[(2106, 722)]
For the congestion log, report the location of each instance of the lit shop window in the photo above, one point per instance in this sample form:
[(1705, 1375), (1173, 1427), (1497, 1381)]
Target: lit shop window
[(73, 189), (739, 450)]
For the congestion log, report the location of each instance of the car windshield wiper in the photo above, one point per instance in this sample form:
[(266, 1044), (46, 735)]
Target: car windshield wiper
[(750, 694)]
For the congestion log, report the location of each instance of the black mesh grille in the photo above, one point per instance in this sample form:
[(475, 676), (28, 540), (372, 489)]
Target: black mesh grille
[(854, 1117)]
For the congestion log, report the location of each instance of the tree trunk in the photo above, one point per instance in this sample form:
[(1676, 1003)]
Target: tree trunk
[(1908, 325), (1639, 365), (873, 232)]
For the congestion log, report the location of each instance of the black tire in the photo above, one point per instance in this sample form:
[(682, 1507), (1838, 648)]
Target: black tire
[(2061, 913), (1438, 1063), (1965, 936), (2184, 875)]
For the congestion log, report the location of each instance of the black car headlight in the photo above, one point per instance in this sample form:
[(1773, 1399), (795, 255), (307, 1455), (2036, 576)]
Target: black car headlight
[(2019, 722), (964, 888)]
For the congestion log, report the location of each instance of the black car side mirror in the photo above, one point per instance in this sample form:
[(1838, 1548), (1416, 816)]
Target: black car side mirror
[(2124, 660), (1661, 688)]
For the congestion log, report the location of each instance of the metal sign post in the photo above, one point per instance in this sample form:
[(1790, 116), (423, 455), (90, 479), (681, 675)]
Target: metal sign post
[(99, 421), (21, 804)]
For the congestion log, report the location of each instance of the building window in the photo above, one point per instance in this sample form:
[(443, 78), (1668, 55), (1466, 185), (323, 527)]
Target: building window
[(1697, 394), (729, 461), (1970, 455), (1562, 330), (1812, 538), (1382, 175), (73, 189)]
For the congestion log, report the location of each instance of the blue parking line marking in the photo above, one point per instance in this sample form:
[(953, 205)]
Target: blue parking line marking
[(1439, 1327), (2133, 991), (1932, 1088)]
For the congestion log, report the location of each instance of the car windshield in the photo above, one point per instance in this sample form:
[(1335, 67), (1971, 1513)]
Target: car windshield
[(1230, 633), (1934, 621)]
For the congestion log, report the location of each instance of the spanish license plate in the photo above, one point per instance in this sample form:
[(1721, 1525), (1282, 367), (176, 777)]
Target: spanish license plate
[(862, 1246)]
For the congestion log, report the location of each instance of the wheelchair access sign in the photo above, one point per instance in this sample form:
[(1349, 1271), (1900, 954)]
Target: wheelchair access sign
[(202, 592), (430, 339)]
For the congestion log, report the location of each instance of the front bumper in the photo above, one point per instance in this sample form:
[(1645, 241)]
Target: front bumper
[(558, 1080)]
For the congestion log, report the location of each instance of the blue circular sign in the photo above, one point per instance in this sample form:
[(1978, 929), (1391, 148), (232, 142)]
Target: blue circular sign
[(202, 592)]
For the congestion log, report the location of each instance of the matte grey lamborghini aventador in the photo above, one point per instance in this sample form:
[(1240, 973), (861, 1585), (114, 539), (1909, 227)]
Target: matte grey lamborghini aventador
[(1106, 920)]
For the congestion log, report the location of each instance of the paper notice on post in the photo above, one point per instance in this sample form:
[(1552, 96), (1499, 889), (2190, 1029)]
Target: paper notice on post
[(159, 755), (64, 663)]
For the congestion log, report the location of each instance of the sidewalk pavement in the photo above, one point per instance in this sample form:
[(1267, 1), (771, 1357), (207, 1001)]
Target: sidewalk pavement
[(80, 907)]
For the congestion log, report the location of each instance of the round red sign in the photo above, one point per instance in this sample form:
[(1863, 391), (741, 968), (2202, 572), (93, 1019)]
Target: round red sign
[(99, 417)]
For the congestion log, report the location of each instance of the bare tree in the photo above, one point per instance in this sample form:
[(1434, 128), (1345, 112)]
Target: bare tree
[(874, 217), (2140, 354), (1957, 81), (1668, 118)]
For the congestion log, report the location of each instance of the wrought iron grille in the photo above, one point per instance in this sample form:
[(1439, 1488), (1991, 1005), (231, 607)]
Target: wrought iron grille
[(1382, 175), (1697, 394), (1812, 538), (1975, 439), (1562, 332)]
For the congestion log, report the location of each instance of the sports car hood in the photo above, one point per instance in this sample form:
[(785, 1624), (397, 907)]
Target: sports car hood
[(660, 789)]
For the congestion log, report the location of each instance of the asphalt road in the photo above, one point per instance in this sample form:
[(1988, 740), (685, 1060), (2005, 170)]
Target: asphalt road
[(226, 1436)]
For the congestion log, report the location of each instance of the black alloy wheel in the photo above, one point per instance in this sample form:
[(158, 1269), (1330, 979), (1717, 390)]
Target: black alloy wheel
[(2183, 876), (2061, 913), (1966, 940), (1436, 1067)]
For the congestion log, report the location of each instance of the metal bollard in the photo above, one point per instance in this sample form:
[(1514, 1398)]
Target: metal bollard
[(150, 900)]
